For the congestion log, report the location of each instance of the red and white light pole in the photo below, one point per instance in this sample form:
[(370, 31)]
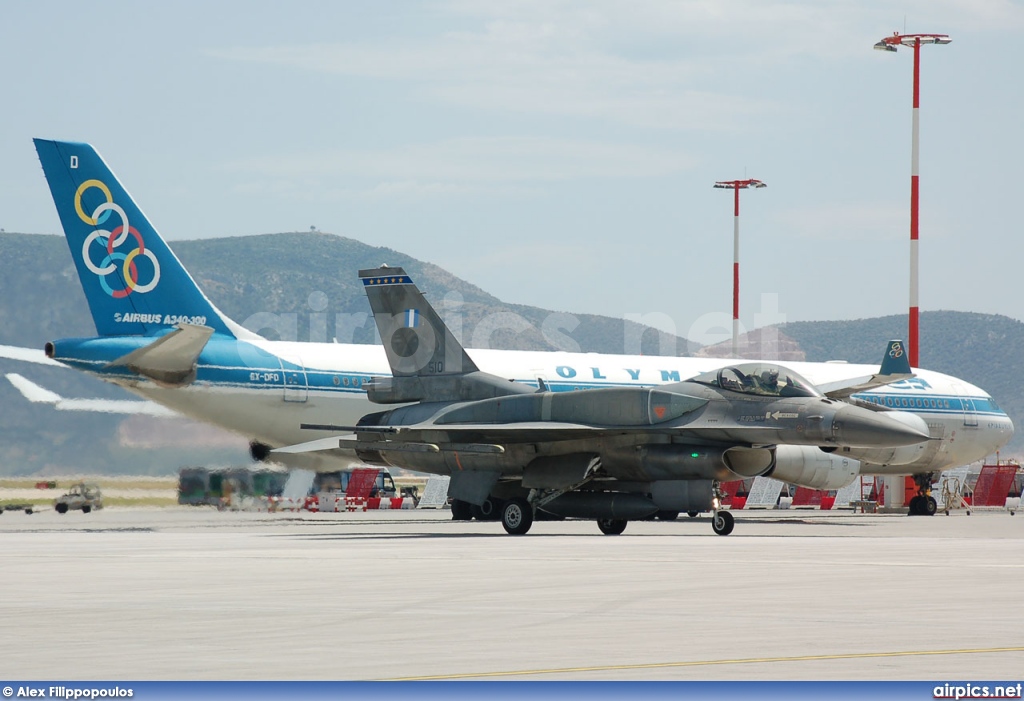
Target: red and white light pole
[(889, 44), (736, 186)]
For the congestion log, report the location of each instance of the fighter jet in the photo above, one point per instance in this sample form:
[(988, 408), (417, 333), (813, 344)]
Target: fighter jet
[(611, 454)]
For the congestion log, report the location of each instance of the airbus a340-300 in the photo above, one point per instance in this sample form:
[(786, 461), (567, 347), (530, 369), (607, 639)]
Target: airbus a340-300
[(161, 338)]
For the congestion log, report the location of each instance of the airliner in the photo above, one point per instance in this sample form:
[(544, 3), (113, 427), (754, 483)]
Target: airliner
[(161, 338)]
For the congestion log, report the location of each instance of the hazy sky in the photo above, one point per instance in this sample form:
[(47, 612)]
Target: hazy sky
[(556, 154)]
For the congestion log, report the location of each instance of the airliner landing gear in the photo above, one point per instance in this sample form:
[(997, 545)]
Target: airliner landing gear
[(924, 503)]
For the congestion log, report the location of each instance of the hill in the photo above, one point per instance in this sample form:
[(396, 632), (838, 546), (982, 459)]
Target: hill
[(304, 286), (295, 286)]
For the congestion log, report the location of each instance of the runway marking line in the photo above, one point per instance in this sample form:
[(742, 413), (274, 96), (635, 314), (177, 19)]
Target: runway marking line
[(708, 663)]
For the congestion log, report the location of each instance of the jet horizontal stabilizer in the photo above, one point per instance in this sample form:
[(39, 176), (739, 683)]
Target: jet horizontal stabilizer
[(28, 355), (171, 359), (40, 395)]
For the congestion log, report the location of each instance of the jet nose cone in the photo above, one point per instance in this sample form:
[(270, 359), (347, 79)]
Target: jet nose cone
[(999, 432), (863, 428)]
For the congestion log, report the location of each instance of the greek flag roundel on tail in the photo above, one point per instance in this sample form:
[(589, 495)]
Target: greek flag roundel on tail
[(133, 283)]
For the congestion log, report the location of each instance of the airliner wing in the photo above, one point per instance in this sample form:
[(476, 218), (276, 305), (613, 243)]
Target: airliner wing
[(40, 395), (845, 388), (28, 355)]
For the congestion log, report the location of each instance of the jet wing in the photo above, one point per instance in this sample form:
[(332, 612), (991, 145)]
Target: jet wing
[(28, 355), (331, 443), (40, 395), (895, 367), (466, 435)]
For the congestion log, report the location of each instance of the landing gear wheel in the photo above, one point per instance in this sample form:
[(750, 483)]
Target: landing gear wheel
[(517, 516), (929, 506), (612, 526), (723, 523), (667, 515), (915, 506), (692, 514), (461, 510)]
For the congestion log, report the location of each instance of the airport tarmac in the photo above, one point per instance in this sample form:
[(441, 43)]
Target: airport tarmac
[(192, 593)]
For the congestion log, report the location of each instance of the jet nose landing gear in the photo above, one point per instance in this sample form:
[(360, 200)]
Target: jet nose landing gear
[(722, 522)]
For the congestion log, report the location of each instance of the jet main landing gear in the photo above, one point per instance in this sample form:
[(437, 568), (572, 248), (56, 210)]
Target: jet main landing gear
[(517, 516)]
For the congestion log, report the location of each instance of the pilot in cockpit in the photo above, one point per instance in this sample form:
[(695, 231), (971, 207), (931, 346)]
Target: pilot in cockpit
[(769, 381)]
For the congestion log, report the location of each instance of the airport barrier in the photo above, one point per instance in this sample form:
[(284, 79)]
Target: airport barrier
[(330, 503), (814, 498), (993, 486)]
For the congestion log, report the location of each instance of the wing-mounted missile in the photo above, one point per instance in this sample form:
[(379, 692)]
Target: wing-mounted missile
[(427, 361)]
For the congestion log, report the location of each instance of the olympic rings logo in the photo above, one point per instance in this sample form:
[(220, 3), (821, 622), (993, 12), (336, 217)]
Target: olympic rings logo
[(897, 351), (111, 240)]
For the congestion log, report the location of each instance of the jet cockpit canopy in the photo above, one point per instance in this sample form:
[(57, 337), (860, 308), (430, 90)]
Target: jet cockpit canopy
[(763, 379)]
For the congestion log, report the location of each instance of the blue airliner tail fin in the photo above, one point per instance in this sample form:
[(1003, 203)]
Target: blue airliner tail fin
[(134, 283)]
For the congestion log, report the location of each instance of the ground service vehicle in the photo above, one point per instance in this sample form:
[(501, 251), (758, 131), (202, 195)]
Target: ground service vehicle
[(84, 496)]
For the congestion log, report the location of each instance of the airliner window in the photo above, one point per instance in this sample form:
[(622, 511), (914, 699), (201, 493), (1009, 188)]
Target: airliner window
[(761, 379)]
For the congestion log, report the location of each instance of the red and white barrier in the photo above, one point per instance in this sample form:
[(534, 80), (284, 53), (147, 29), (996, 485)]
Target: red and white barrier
[(329, 503)]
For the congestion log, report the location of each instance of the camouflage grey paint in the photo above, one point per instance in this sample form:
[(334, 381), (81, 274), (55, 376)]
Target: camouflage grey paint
[(603, 453)]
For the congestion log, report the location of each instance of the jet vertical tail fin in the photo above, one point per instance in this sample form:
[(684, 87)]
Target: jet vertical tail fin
[(133, 282), (427, 361), (416, 340)]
